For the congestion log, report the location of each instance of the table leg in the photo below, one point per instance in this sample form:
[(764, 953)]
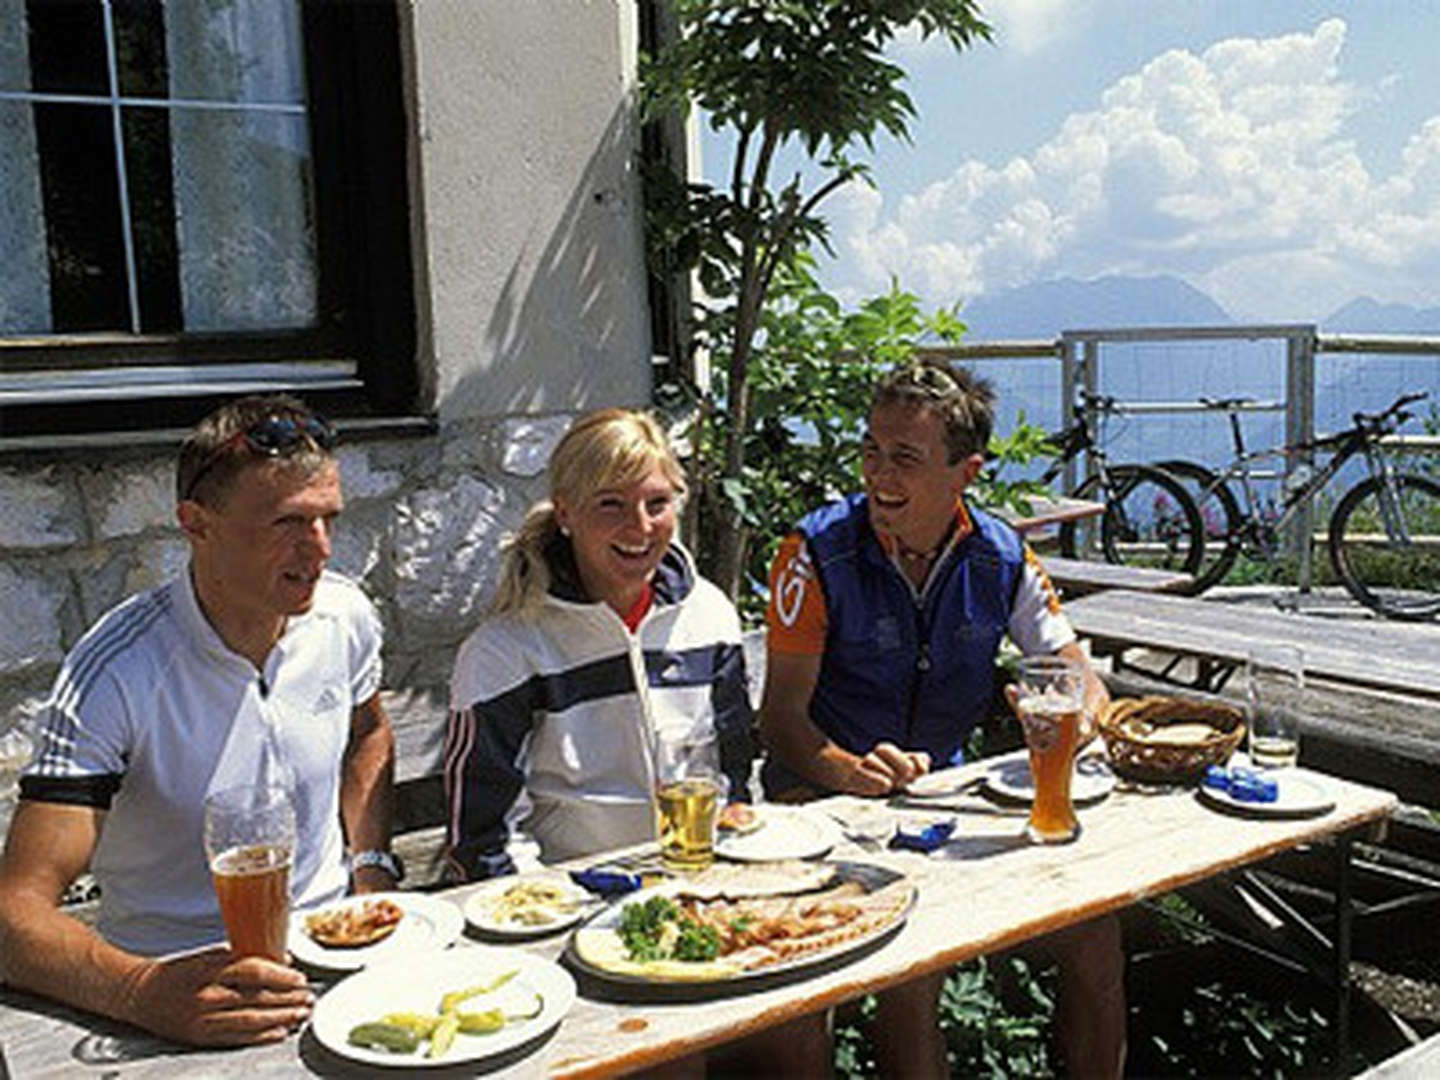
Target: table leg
[(1344, 922)]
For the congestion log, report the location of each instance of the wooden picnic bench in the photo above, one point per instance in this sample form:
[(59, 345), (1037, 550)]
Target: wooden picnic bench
[(1077, 577), (1219, 636), (1046, 512)]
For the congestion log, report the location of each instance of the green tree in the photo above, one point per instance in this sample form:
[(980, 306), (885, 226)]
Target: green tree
[(775, 74)]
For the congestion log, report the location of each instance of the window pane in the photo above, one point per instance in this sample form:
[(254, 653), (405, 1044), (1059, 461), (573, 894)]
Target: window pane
[(82, 217), (140, 47), (25, 284), (236, 50), (152, 217), (67, 47), (242, 197)]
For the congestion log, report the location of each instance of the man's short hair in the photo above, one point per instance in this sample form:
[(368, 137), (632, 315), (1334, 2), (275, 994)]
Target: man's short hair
[(273, 427), (965, 403)]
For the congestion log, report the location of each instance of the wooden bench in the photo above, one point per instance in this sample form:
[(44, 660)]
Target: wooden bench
[(1218, 636), (1076, 577)]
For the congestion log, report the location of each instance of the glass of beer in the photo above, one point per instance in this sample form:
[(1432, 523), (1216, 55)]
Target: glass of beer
[(689, 791), (1274, 692), (1050, 703), (249, 840)]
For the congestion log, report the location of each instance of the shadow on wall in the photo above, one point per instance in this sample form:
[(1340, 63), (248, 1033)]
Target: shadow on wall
[(569, 330)]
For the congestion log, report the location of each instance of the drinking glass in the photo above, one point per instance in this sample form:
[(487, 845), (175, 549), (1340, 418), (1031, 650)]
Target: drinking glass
[(689, 790), (1049, 703), (249, 841), (1274, 693)]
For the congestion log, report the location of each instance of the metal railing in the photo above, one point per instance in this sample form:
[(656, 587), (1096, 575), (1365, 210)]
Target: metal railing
[(1080, 354)]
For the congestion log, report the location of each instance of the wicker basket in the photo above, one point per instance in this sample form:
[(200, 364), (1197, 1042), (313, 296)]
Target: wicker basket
[(1169, 739)]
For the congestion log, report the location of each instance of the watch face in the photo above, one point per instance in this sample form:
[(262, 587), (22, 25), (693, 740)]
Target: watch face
[(391, 864)]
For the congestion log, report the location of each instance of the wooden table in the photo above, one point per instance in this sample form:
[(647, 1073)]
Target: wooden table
[(1046, 511), (982, 892), (1377, 654)]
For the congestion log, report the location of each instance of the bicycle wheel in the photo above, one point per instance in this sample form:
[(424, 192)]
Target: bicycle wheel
[(1220, 517), (1149, 520), (1391, 567)]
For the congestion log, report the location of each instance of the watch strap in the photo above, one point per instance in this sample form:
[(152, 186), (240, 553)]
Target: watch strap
[(385, 860)]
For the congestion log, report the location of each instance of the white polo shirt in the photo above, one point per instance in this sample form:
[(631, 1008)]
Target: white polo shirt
[(151, 711)]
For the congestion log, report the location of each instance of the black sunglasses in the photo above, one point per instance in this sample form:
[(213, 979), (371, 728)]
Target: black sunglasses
[(270, 436)]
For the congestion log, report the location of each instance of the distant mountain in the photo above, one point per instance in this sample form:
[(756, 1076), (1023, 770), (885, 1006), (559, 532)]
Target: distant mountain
[(1044, 309), (1367, 316)]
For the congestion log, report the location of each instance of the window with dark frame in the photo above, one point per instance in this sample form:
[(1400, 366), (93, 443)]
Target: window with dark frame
[(202, 199)]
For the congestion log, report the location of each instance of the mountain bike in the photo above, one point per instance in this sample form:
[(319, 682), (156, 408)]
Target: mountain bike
[(1150, 519), (1384, 533)]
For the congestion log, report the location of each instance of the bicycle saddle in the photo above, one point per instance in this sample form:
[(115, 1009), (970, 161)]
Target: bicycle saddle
[(1226, 402)]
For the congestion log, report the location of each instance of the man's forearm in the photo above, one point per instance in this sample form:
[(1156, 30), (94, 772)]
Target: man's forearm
[(809, 753), (52, 954), (367, 789)]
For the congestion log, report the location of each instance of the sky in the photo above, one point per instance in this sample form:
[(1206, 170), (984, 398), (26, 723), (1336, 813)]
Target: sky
[(1283, 156)]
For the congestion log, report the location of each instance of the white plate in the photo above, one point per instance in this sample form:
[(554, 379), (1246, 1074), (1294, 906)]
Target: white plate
[(480, 907), (1012, 780), (785, 833), (940, 784), (1298, 796), (429, 924), (407, 986)]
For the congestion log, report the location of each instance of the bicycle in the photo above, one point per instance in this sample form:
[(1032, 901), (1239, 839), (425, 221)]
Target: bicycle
[(1384, 533), (1150, 519)]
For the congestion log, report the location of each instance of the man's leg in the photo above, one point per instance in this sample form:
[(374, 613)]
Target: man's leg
[(907, 1038), (1090, 1011)]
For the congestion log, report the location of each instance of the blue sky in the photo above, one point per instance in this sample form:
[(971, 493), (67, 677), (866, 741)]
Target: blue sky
[(1281, 155)]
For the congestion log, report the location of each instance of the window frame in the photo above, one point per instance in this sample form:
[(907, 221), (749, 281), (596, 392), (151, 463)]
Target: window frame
[(360, 358)]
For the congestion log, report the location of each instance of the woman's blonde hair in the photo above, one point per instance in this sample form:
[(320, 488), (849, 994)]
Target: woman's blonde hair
[(608, 448)]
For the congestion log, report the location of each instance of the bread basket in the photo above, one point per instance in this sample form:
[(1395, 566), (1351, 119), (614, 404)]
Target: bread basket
[(1169, 739)]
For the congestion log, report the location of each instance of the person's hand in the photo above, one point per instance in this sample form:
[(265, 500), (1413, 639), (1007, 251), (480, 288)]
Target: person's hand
[(215, 998), (887, 768)]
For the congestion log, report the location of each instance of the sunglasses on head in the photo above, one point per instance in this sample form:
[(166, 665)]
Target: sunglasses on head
[(270, 436), (932, 379)]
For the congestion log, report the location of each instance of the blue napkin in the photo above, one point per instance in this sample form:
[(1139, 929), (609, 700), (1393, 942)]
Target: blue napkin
[(927, 838), (606, 882), (1242, 784)]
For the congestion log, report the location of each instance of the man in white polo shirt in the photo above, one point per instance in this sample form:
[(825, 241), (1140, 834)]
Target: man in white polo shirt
[(256, 661)]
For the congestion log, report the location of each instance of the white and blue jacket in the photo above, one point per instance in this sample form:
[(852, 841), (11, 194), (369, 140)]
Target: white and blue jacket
[(554, 710)]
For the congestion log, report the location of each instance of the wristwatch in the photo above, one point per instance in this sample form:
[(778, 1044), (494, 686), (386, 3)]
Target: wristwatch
[(391, 864)]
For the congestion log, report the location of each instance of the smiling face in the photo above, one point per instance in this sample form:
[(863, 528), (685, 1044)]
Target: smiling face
[(619, 535), (257, 556), (912, 488)]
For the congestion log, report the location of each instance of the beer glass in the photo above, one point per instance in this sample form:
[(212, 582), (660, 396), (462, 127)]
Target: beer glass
[(1050, 701), (249, 842), (689, 790), (1274, 692)]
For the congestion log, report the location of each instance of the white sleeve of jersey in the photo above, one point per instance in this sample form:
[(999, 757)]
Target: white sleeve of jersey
[(1036, 623)]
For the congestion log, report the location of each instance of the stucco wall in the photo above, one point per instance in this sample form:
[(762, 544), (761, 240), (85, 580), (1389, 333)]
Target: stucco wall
[(531, 296)]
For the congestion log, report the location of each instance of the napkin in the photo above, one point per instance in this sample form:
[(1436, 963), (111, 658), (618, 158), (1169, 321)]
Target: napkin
[(925, 838), (606, 882)]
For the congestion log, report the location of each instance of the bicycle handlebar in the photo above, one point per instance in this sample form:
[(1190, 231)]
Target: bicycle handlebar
[(1372, 420)]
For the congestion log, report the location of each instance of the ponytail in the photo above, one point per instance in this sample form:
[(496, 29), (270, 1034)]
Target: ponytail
[(524, 573)]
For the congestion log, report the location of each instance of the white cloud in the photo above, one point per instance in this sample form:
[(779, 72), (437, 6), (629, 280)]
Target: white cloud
[(1231, 168), (1028, 26)]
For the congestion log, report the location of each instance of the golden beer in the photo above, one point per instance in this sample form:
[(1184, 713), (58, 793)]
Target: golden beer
[(1052, 733), (685, 813), (252, 884)]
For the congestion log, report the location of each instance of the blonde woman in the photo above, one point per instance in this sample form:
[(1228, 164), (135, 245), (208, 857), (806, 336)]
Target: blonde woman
[(599, 635)]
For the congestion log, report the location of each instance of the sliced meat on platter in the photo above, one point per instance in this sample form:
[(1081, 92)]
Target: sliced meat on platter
[(354, 925)]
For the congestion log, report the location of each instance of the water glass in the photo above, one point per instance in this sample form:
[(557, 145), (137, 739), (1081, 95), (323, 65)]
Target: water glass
[(1050, 703), (249, 843), (1274, 701)]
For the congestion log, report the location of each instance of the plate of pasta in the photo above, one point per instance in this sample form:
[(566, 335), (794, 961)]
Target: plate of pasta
[(527, 905)]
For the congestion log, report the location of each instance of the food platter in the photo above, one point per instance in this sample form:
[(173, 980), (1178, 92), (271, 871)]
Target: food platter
[(406, 986), (595, 951), (1011, 779), (526, 906), (429, 924), (1298, 796), (785, 832)]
